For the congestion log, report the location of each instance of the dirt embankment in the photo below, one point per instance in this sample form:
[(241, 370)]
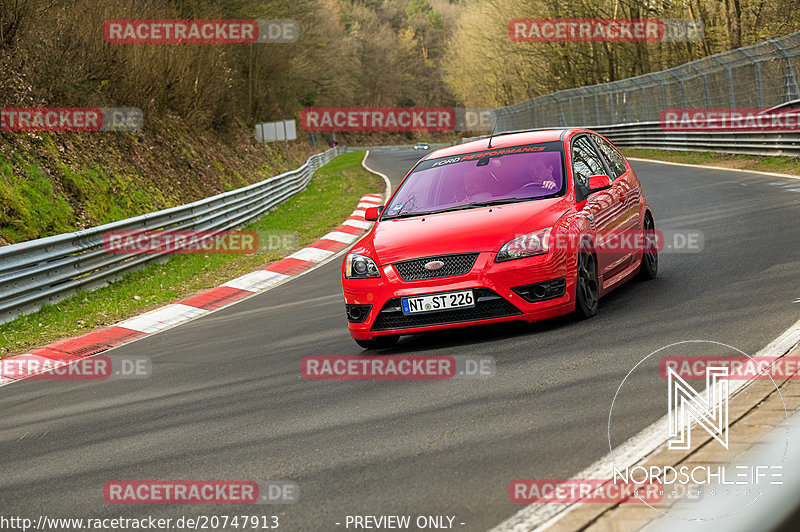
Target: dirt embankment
[(52, 183)]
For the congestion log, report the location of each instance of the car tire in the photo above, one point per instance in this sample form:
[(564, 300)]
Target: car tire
[(379, 342), (649, 267), (587, 286)]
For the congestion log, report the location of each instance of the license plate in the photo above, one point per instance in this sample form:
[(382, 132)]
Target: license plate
[(437, 302)]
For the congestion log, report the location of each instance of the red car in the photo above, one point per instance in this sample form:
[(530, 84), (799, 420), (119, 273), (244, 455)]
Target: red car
[(523, 226)]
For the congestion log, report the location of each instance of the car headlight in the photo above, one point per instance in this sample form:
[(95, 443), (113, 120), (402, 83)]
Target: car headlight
[(360, 267), (536, 243)]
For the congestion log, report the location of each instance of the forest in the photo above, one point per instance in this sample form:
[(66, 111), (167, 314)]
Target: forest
[(350, 52)]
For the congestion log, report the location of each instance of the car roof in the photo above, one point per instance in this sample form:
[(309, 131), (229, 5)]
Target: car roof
[(505, 140)]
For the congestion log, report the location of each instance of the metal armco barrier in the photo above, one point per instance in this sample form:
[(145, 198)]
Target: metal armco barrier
[(650, 135), (48, 269)]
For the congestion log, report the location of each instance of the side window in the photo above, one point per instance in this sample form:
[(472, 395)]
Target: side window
[(616, 162), (585, 161)]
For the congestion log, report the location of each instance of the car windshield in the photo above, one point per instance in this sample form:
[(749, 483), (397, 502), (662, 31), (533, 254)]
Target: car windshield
[(488, 177)]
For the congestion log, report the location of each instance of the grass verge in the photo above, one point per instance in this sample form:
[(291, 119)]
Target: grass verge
[(780, 165), (329, 199)]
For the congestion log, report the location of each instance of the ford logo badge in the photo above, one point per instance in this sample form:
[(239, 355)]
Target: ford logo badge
[(433, 265)]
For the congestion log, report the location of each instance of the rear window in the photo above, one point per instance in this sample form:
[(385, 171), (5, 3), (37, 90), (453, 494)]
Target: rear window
[(500, 175)]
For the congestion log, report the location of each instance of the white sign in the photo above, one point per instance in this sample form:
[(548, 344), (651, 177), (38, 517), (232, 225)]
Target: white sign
[(275, 131)]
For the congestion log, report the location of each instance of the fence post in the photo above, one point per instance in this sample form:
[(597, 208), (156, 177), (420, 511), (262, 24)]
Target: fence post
[(661, 91), (571, 113), (596, 104), (727, 66), (644, 99), (757, 64), (557, 119), (627, 105), (705, 84), (790, 90), (613, 116)]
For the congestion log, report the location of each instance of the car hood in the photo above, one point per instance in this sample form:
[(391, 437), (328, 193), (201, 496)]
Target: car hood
[(470, 230)]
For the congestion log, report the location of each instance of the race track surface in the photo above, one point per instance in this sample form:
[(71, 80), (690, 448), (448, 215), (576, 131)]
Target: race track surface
[(226, 399)]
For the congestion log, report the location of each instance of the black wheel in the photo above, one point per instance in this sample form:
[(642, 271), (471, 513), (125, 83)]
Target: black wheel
[(379, 342), (649, 267), (587, 287)]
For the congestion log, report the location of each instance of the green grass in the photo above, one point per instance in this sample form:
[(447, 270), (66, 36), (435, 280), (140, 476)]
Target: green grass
[(784, 165), (28, 204), (32, 207), (330, 197)]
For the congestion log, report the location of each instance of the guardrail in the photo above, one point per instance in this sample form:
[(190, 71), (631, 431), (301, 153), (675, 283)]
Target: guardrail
[(49, 269), (651, 135)]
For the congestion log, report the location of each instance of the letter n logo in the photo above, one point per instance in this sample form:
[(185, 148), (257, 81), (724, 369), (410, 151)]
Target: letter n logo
[(685, 405)]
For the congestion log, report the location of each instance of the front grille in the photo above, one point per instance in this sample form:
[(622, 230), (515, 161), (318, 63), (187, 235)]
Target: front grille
[(414, 270), (488, 304)]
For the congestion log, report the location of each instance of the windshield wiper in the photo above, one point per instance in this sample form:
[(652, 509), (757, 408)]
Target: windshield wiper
[(498, 201), (408, 215), (487, 203), (459, 207)]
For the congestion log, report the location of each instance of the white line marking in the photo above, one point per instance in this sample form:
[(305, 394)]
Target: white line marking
[(163, 317), (358, 213), (388, 183), (366, 204), (339, 236), (311, 254), (358, 223), (773, 174), (541, 516), (257, 280)]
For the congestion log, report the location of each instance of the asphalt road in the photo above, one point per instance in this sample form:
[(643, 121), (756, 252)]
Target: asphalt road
[(226, 399)]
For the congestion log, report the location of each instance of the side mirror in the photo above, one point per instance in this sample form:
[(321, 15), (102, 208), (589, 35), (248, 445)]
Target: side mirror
[(598, 183), (372, 213)]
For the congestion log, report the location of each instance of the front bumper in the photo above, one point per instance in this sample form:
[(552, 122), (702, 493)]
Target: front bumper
[(497, 289)]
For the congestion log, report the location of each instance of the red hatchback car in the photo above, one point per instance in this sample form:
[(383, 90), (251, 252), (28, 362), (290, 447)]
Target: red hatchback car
[(523, 226)]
